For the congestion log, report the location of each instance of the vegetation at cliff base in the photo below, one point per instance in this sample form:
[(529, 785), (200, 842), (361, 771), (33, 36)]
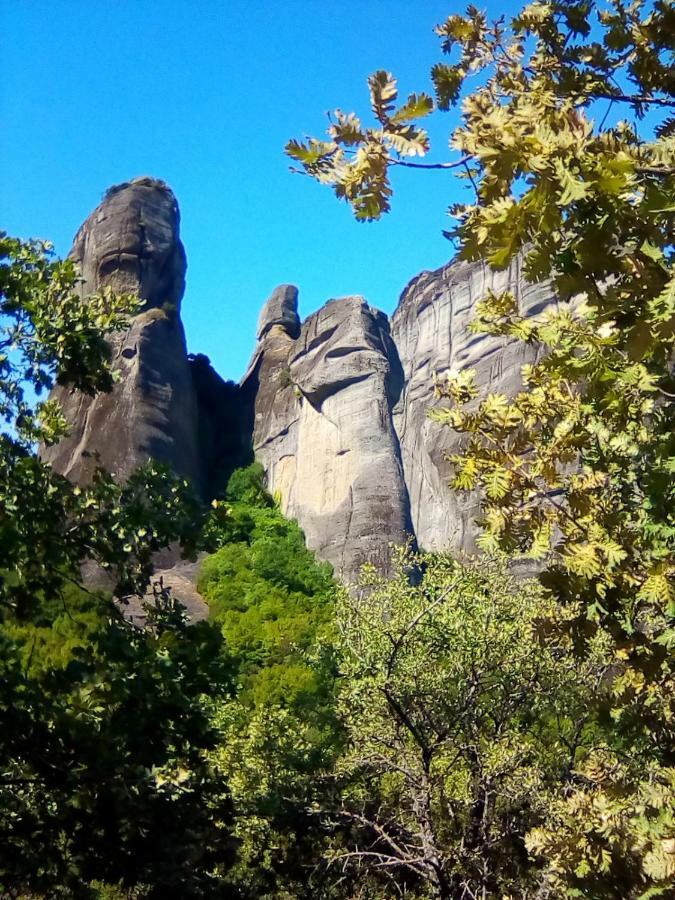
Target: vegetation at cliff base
[(275, 605), (566, 145), (268, 593), (466, 711), (105, 729)]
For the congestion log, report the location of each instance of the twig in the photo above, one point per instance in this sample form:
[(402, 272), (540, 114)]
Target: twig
[(635, 99), (445, 165)]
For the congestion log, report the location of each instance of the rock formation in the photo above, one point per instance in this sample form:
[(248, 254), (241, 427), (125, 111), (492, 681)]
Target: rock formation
[(131, 243), (323, 395), (340, 410), (335, 407), (430, 328)]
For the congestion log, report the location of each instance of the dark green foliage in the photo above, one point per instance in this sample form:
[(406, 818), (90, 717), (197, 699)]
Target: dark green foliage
[(268, 593), (105, 729), (104, 741)]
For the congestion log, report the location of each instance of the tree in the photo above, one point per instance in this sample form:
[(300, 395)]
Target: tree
[(105, 775), (105, 729), (274, 604), (461, 718), (577, 469)]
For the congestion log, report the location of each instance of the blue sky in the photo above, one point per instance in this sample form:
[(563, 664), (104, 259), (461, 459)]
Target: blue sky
[(205, 94)]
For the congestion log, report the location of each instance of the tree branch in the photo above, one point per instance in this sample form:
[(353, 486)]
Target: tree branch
[(635, 99), (445, 165), (655, 170)]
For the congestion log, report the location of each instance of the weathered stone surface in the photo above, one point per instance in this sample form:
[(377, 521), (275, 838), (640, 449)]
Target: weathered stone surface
[(131, 243), (180, 579), (431, 331), (325, 402), (223, 425), (323, 431), (280, 309)]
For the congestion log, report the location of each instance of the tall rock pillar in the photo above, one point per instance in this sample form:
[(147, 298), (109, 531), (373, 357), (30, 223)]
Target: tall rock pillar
[(431, 330), (131, 243)]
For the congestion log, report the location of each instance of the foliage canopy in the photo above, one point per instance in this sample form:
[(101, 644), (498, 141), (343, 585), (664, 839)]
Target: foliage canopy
[(274, 604), (465, 711)]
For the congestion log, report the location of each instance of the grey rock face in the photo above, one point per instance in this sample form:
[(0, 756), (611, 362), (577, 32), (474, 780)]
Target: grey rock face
[(281, 309), (323, 431), (335, 408), (340, 411), (131, 243), (431, 331)]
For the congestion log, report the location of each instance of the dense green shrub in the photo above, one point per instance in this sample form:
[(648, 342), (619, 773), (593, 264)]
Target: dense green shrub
[(106, 731), (268, 593)]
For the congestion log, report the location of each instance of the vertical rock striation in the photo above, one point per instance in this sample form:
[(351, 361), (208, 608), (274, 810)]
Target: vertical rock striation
[(430, 328), (340, 410), (131, 243), (165, 406), (335, 407)]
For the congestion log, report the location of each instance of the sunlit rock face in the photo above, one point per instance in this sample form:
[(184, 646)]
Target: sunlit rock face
[(340, 406), (131, 243), (323, 427), (430, 328)]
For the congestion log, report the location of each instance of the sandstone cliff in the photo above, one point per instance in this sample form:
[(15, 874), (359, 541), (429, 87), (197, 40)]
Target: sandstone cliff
[(160, 407), (430, 328), (340, 410), (334, 407)]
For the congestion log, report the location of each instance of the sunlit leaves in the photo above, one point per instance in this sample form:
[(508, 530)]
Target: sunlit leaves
[(459, 717), (49, 333), (311, 153), (575, 470), (383, 94), (346, 129), (356, 161), (416, 107), (447, 81)]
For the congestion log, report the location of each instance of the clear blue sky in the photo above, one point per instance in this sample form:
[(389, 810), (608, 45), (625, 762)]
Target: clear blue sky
[(204, 94)]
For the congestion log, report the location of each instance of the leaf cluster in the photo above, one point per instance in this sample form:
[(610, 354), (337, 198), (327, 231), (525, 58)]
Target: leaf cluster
[(104, 743), (50, 332), (356, 159)]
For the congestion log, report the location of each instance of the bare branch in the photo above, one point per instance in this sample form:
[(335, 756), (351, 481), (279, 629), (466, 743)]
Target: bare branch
[(635, 99)]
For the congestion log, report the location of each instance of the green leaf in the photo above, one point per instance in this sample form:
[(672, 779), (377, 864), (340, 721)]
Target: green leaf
[(572, 188), (447, 81), (651, 251), (383, 93), (310, 153), (416, 107), (347, 129), (497, 482)]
